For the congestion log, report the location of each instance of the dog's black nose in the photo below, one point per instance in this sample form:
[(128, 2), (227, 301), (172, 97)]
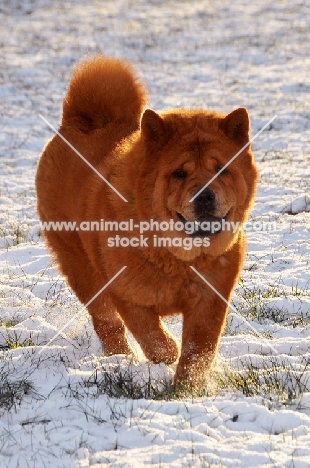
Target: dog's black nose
[(206, 198)]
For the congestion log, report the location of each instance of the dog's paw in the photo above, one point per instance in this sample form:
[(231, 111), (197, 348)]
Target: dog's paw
[(117, 345), (162, 349)]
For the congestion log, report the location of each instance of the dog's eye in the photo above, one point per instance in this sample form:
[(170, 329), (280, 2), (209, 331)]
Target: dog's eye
[(220, 169), (179, 174)]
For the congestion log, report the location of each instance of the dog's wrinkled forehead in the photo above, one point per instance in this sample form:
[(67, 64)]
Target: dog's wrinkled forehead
[(202, 135), (206, 124)]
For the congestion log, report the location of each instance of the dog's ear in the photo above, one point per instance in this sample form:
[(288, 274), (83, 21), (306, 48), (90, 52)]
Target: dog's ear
[(236, 125), (153, 129)]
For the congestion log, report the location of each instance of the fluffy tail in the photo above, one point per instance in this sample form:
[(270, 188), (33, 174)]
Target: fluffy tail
[(103, 90)]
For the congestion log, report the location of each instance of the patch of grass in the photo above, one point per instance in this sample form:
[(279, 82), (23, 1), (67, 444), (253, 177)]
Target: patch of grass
[(18, 236), (117, 382), (8, 323), (15, 234), (13, 341), (272, 291), (297, 292), (258, 308), (274, 379), (12, 392), (254, 292), (264, 312)]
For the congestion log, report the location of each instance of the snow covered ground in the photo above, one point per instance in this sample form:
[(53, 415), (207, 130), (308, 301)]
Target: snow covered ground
[(66, 406)]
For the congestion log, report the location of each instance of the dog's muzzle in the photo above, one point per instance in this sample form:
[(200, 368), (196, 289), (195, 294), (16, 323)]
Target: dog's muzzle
[(205, 224)]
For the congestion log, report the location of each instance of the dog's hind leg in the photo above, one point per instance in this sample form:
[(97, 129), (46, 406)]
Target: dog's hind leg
[(86, 282)]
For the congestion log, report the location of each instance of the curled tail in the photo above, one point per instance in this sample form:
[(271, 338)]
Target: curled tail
[(103, 90)]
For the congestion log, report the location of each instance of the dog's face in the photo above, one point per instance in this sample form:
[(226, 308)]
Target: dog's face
[(186, 153)]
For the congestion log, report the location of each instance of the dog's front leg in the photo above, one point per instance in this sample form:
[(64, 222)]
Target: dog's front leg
[(202, 328), (146, 326)]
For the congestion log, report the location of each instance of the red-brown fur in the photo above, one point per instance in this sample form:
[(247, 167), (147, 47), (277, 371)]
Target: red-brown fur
[(138, 153)]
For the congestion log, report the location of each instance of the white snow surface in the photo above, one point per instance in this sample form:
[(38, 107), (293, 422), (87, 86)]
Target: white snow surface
[(192, 54)]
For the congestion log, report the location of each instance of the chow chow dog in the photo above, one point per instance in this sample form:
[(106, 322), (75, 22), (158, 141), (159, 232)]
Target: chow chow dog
[(170, 167)]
